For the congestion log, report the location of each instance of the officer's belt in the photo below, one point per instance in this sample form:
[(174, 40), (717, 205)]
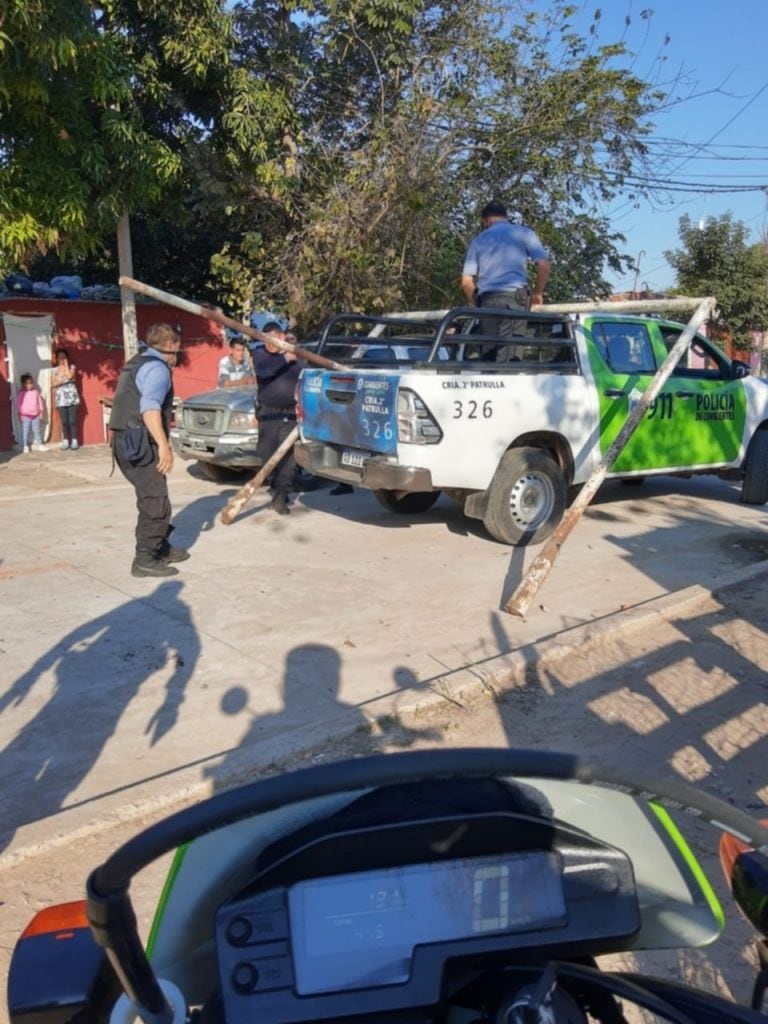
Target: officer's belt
[(275, 410)]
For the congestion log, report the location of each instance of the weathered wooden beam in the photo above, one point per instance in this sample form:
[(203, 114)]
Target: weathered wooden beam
[(227, 321), (236, 504)]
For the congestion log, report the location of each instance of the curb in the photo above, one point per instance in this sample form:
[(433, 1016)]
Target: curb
[(460, 687), (511, 671)]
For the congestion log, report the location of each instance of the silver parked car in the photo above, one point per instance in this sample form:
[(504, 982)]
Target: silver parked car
[(218, 429)]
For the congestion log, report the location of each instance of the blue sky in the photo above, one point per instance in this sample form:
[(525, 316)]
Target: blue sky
[(720, 49)]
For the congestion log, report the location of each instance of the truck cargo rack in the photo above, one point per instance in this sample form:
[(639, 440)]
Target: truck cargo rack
[(450, 339)]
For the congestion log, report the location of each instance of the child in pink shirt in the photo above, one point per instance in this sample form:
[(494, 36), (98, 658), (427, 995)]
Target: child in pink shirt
[(29, 404)]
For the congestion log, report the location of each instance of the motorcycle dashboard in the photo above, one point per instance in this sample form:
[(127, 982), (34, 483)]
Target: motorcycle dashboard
[(366, 922), (363, 928)]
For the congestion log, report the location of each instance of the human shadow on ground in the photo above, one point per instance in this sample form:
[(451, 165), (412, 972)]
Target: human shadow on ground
[(199, 516), (312, 715), (83, 686)]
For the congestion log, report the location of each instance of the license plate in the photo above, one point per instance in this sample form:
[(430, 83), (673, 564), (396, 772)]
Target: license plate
[(352, 459), (196, 443)]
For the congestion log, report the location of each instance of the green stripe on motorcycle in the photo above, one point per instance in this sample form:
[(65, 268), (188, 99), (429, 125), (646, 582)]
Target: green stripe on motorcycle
[(165, 895), (696, 870)]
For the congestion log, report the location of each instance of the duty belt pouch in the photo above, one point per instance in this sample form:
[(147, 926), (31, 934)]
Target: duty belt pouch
[(133, 445)]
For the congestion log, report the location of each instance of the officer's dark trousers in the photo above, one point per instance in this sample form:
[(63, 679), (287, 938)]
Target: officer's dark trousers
[(505, 327), (273, 430), (153, 525)]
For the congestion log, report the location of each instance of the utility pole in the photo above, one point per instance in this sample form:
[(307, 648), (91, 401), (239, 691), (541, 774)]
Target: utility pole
[(125, 265), (637, 272)]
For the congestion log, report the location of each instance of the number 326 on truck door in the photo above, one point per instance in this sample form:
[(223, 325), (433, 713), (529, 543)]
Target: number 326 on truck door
[(469, 409)]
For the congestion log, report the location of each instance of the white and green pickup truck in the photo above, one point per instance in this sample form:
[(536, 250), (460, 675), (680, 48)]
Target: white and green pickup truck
[(506, 425)]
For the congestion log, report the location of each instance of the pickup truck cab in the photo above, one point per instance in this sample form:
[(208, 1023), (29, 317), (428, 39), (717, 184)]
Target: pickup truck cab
[(508, 423)]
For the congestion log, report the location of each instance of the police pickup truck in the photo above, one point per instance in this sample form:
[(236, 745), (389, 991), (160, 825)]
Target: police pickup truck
[(509, 422)]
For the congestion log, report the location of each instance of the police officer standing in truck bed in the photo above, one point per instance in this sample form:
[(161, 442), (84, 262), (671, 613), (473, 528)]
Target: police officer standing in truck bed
[(496, 272), (277, 374)]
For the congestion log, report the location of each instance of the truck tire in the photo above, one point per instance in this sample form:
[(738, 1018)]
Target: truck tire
[(222, 474), (527, 497), (409, 504), (754, 489)]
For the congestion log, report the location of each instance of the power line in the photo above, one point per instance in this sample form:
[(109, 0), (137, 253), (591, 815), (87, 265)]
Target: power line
[(660, 139), (727, 124)]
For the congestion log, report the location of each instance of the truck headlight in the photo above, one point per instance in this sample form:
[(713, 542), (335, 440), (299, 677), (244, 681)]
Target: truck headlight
[(242, 423)]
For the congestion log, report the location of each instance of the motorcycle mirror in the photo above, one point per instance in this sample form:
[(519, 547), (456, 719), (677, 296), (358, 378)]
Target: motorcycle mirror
[(746, 872), (58, 974)]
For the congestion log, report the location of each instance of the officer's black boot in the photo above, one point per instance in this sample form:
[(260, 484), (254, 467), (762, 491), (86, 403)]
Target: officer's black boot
[(147, 563), (280, 503), (169, 553)]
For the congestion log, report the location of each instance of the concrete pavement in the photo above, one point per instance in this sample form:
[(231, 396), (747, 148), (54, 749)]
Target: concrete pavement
[(119, 694)]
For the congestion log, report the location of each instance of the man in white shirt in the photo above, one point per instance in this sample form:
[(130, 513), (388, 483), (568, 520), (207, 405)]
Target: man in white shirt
[(236, 369)]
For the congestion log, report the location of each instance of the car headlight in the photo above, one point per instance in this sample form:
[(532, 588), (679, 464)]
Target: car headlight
[(242, 422)]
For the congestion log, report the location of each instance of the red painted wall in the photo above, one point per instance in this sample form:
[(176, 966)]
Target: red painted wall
[(92, 333)]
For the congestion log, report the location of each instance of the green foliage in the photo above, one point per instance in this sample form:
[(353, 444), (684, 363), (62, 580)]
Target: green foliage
[(400, 120), (97, 103), (718, 260), (309, 155)]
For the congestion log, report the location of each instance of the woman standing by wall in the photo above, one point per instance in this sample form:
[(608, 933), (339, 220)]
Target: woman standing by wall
[(67, 397)]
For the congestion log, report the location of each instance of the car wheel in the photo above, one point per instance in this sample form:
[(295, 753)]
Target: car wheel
[(408, 504), (527, 497), (222, 474), (754, 489)]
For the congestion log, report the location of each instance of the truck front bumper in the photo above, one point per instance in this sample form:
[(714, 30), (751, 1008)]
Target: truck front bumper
[(237, 451), (374, 472)]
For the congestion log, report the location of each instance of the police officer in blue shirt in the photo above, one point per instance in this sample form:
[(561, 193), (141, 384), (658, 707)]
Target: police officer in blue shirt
[(140, 425), (496, 267)]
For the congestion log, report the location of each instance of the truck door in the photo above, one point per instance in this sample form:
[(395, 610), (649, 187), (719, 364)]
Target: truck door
[(696, 420), (706, 404)]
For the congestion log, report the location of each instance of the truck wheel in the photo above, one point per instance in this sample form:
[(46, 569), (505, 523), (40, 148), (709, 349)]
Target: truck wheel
[(526, 499), (220, 474), (409, 504), (754, 489)]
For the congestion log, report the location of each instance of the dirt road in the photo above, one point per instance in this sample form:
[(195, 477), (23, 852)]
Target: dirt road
[(687, 695)]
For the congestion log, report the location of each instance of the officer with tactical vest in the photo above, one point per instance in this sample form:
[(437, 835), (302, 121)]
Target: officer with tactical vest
[(140, 422)]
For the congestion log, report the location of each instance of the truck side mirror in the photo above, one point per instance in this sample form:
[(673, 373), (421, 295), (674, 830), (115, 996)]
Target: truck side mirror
[(740, 369)]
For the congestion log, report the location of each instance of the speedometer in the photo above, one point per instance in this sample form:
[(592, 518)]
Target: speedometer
[(362, 928)]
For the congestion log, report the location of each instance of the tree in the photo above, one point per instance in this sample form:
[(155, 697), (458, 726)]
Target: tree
[(402, 119), (717, 259), (316, 154), (98, 104)]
